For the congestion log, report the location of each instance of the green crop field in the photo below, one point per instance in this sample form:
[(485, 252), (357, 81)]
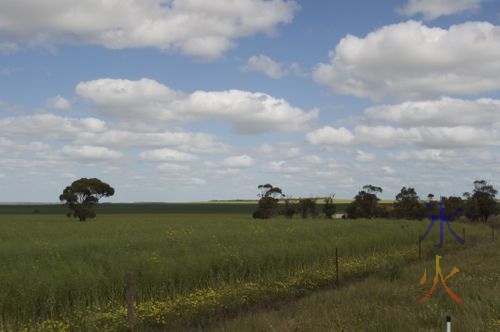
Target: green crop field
[(192, 269), (227, 207)]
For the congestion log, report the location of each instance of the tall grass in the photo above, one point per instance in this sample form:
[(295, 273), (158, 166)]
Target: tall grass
[(52, 266), (382, 303)]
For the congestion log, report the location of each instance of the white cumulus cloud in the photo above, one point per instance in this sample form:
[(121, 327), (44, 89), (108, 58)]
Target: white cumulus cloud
[(266, 65), (364, 156), (425, 155), (172, 168), (410, 60), (238, 161), (148, 100), (432, 9), (443, 112), (282, 167), (195, 27), (50, 126), (390, 137), (91, 153), (92, 131), (141, 99), (58, 103), (388, 170), (167, 155), (186, 141), (329, 135), (278, 151)]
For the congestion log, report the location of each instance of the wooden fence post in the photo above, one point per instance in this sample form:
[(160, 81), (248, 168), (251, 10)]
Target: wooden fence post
[(130, 300), (492, 233), (464, 234), (337, 265)]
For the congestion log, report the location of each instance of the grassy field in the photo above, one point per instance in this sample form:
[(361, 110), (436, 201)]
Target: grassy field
[(192, 269)]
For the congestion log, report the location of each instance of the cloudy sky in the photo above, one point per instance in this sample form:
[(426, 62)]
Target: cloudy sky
[(189, 100)]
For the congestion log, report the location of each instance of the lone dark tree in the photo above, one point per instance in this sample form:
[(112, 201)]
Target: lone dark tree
[(83, 194), (482, 203), (268, 201), (365, 203)]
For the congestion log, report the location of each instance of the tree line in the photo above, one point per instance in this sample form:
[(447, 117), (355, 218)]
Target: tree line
[(267, 205), (477, 205), (83, 194)]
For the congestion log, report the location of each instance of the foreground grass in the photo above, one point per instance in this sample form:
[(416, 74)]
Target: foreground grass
[(385, 302), (191, 269)]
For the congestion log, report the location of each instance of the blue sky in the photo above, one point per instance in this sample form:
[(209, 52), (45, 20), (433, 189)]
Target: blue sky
[(193, 100)]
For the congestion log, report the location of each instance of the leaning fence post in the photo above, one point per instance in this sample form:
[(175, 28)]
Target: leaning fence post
[(130, 300), (337, 265)]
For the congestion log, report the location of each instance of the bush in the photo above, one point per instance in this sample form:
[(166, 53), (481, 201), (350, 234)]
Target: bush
[(290, 209), (306, 207)]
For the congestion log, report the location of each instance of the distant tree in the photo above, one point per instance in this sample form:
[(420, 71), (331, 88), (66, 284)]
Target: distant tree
[(482, 203), (408, 205), (306, 207), (83, 194), (268, 202), (290, 208), (329, 208), (373, 190), (365, 203)]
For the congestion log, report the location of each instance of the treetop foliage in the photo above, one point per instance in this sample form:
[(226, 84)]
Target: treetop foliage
[(267, 190)]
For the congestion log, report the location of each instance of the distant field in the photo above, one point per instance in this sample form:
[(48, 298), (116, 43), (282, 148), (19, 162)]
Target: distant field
[(136, 208), (225, 207), (192, 268), (144, 208)]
